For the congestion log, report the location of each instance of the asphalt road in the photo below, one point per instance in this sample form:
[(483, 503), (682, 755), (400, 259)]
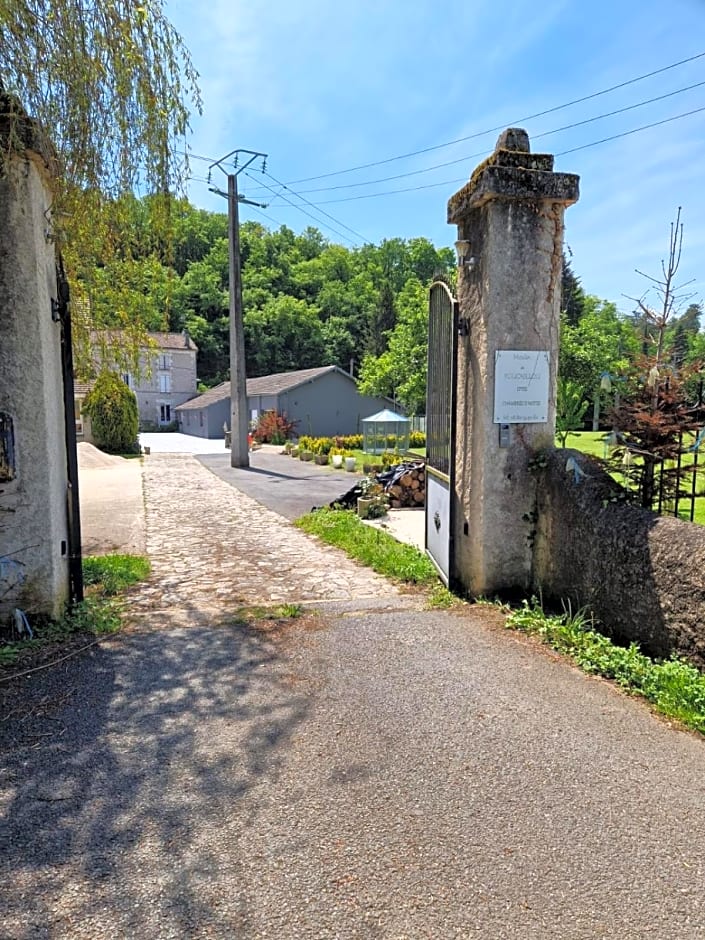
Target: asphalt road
[(387, 774), (276, 481)]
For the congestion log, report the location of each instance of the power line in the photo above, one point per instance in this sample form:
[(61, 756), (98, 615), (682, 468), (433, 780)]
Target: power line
[(472, 156), (500, 127), (301, 209), (594, 143), (308, 202)]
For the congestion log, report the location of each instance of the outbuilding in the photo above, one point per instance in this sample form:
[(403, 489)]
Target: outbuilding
[(323, 402)]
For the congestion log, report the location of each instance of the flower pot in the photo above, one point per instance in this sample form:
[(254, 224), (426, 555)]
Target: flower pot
[(350, 464), (306, 455), (337, 460), (363, 506), (321, 459)]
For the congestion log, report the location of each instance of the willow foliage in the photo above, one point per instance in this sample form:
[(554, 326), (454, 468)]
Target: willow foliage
[(109, 80), (109, 85)]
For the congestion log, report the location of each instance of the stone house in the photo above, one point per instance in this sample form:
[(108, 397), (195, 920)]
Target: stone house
[(165, 378)]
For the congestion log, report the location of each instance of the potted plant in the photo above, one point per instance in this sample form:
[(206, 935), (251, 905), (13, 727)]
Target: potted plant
[(336, 457), (372, 503), (350, 461)]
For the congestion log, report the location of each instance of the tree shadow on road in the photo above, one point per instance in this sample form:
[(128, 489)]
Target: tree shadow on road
[(129, 774)]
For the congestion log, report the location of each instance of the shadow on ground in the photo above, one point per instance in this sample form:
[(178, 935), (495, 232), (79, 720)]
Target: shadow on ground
[(129, 773)]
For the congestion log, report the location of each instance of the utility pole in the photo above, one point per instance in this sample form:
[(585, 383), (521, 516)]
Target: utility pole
[(239, 449)]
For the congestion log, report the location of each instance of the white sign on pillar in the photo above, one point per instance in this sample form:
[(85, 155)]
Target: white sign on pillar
[(521, 386)]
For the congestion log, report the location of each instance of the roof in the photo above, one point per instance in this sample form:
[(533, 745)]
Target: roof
[(285, 381), (218, 393), (386, 415), (263, 385), (162, 340)]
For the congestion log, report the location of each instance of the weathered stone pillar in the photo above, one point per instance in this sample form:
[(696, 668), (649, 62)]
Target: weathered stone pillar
[(510, 234), (33, 470)]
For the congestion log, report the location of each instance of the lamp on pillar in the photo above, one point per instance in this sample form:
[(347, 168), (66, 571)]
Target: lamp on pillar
[(464, 252)]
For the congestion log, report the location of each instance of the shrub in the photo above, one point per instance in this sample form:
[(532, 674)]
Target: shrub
[(112, 408), (272, 428), (417, 439)]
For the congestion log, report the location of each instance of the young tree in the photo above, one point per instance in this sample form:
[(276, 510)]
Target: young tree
[(654, 412), (112, 408)]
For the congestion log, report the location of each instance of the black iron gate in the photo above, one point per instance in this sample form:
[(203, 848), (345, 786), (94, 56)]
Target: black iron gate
[(440, 426)]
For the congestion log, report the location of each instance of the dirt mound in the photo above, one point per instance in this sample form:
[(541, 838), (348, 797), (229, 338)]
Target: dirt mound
[(90, 458)]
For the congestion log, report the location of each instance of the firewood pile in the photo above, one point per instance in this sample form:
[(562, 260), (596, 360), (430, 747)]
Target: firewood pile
[(405, 485)]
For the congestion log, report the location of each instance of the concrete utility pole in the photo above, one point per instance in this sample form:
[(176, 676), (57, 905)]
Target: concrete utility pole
[(239, 450)]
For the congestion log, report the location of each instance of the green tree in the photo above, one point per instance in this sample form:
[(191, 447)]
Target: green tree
[(573, 298), (400, 371), (112, 408)]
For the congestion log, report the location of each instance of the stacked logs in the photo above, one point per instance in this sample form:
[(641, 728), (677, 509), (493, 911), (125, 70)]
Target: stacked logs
[(408, 489)]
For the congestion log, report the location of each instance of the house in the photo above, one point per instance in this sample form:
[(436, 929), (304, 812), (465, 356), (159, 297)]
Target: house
[(323, 402), (166, 377)]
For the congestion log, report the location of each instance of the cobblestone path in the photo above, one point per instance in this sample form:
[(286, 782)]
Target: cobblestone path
[(214, 549)]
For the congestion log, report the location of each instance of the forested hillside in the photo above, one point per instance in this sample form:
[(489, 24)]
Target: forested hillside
[(307, 302)]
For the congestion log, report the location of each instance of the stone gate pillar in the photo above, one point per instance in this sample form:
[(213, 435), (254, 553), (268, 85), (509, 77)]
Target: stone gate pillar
[(510, 235), (34, 552)]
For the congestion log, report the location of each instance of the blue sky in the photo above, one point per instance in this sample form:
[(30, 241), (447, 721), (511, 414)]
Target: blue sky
[(322, 87)]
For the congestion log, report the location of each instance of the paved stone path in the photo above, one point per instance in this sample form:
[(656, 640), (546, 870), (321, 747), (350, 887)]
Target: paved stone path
[(231, 551)]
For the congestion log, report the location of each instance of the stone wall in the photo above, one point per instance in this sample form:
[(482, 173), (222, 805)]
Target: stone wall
[(640, 574), (33, 477)]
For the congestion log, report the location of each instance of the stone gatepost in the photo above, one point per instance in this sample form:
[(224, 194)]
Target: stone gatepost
[(510, 235), (34, 552)]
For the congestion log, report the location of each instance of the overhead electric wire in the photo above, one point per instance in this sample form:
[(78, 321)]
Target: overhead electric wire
[(308, 202), (301, 209), (491, 130), (500, 127), (594, 143), (472, 156)]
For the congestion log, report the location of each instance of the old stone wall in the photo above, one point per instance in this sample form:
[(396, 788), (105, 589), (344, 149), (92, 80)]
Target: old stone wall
[(640, 574), (33, 475)]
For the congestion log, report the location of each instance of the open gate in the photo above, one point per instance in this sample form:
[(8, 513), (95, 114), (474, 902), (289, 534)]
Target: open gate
[(440, 426)]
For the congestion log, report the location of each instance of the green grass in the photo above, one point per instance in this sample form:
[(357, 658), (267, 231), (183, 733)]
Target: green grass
[(105, 578), (370, 546), (114, 573), (674, 687)]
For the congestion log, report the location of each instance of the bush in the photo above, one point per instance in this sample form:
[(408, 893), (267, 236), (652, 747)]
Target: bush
[(112, 408), (272, 428), (417, 439)]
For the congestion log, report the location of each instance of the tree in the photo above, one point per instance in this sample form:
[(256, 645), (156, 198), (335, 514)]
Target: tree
[(112, 408), (110, 85), (654, 411), (572, 295), (401, 370), (109, 80)]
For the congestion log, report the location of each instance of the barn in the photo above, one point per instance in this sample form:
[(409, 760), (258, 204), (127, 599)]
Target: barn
[(323, 402)]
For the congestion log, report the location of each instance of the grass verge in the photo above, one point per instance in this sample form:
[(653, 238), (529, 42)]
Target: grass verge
[(105, 578), (370, 546), (674, 687)]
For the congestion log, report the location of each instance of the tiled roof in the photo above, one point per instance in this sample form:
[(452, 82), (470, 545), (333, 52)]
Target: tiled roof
[(263, 385), (162, 340)]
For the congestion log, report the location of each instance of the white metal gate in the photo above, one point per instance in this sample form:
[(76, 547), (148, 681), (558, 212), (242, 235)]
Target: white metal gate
[(440, 426)]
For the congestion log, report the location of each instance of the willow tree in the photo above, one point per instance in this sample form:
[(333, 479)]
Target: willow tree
[(110, 84)]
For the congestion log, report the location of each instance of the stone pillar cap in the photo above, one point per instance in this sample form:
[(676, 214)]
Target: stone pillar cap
[(512, 172)]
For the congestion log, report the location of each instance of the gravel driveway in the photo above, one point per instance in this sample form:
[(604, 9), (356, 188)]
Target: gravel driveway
[(366, 774)]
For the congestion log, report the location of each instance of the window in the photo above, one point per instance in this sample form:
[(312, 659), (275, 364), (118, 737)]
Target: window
[(77, 402), (127, 379), (165, 414), (164, 361), (164, 383)]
